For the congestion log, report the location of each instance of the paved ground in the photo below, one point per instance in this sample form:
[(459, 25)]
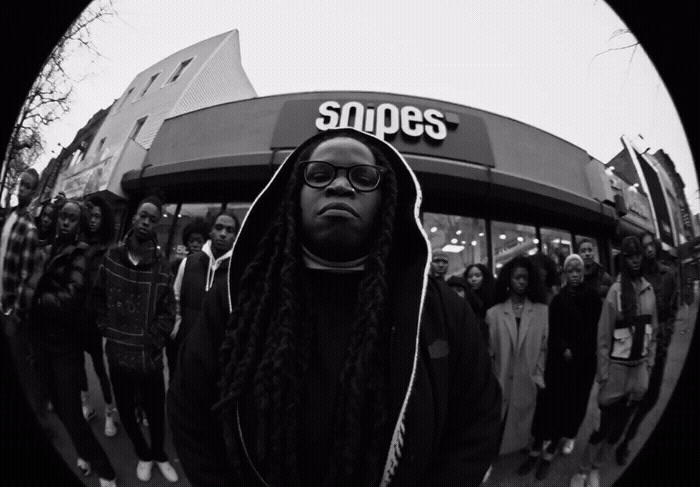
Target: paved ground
[(563, 467), (121, 453)]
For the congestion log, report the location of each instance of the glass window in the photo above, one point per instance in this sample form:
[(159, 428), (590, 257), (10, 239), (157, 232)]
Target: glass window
[(462, 238), (239, 209), (148, 85), (188, 212), (511, 239), (179, 70), (137, 127), (557, 244), (164, 225)]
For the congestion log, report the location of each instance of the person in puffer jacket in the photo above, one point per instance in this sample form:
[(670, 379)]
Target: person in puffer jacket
[(57, 335), (329, 356)]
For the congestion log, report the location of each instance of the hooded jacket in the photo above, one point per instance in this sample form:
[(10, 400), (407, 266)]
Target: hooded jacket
[(444, 409)]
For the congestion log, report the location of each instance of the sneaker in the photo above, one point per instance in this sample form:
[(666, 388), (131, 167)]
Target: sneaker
[(593, 479), (110, 425), (622, 453), (528, 464), (568, 447), (168, 471), (487, 474), (88, 412), (84, 467), (578, 480), (143, 470), (108, 483)]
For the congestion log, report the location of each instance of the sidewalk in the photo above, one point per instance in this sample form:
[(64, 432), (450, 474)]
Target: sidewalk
[(563, 467)]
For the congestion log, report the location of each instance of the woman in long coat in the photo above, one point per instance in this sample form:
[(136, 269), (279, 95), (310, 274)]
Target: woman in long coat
[(518, 327)]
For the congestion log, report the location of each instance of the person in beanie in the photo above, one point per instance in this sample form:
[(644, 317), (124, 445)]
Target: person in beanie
[(196, 276), (626, 353), (135, 307), (340, 361), (663, 280), (56, 335), (439, 264), (569, 370)]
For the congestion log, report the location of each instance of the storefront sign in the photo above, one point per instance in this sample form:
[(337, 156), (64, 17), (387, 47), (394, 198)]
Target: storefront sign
[(410, 126)]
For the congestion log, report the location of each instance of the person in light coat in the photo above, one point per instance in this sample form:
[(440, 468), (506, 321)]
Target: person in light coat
[(518, 328)]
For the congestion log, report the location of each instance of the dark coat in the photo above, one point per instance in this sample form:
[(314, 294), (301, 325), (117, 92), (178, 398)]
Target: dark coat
[(573, 325), (444, 408), (59, 295)]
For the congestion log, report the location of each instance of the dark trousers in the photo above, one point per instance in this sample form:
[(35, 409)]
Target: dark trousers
[(648, 401), (151, 387), (613, 419), (93, 346), (172, 348), (61, 373)]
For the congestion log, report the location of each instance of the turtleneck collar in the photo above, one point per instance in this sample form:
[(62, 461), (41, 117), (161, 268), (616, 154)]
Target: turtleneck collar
[(313, 261)]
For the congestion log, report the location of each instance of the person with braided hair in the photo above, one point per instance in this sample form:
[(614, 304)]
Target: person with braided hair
[(329, 356)]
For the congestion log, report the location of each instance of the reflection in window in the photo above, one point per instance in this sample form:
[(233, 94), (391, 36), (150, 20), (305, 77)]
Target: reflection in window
[(511, 239), (556, 244), (188, 212), (164, 225), (462, 238)]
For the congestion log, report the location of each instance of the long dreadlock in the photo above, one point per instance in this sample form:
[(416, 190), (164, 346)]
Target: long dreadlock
[(265, 350), (630, 246)]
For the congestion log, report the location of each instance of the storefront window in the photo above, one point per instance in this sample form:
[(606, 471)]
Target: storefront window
[(557, 244), (239, 209), (511, 239), (164, 225), (462, 238), (188, 212)]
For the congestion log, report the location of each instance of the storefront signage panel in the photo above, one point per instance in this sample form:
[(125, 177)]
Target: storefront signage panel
[(638, 208), (413, 128)]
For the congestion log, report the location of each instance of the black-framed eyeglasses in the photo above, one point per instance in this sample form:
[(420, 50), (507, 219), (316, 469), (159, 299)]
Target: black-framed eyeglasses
[(362, 177)]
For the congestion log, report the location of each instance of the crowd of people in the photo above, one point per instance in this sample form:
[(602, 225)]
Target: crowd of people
[(551, 337), (318, 351)]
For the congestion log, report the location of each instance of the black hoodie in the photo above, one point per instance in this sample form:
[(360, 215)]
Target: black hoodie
[(444, 399)]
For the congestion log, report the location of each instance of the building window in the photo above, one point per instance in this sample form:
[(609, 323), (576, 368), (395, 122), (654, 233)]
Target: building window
[(556, 243), (510, 240), (179, 71), (101, 145), (124, 99), (137, 128), (148, 85), (462, 238)]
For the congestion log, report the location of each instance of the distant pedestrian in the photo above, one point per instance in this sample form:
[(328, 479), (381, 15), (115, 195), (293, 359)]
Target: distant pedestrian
[(439, 264), (46, 224), (464, 290), (663, 280), (59, 297), (626, 352), (518, 326), (99, 236), (595, 275), (569, 371), (549, 274), (482, 283), (133, 299), (194, 234)]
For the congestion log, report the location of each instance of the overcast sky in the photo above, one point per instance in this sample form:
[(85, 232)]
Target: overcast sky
[(533, 61)]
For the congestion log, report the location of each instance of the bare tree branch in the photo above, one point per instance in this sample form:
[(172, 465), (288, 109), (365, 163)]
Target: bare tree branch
[(50, 96)]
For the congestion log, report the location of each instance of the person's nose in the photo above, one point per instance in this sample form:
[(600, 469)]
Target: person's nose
[(340, 185)]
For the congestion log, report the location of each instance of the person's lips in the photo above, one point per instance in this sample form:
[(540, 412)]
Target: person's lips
[(337, 208)]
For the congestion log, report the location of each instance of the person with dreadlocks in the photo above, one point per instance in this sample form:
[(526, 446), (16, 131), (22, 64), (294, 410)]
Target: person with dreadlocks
[(340, 361), (626, 352)]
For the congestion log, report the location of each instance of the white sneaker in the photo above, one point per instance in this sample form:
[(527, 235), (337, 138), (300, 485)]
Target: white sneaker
[(578, 480), (84, 467), (88, 412), (593, 479), (168, 471), (487, 475), (143, 470), (568, 447), (108, 483), (110, 425)]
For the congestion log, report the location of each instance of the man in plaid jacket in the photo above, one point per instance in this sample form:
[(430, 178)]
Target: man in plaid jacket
[(19, 254)]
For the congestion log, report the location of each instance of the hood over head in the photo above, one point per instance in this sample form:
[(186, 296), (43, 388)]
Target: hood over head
[(410, 240)]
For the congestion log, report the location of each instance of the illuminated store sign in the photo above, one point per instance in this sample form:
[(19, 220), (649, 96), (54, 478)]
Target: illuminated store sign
[(386, 119), (442, 130)]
